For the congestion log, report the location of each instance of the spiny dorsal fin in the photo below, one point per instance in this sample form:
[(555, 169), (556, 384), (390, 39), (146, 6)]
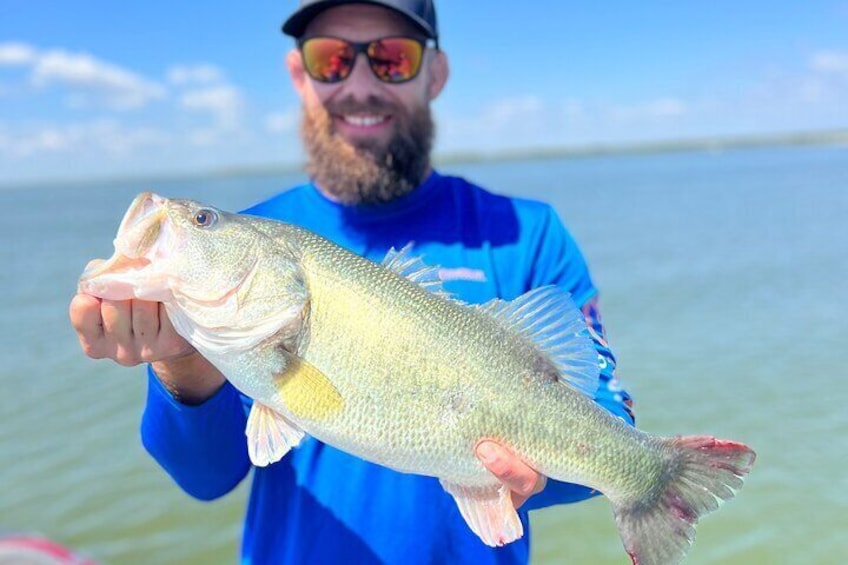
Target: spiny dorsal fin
[(413, 268), (549, 318)]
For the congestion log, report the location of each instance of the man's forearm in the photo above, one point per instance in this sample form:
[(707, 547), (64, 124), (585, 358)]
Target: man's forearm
[(202, 447)]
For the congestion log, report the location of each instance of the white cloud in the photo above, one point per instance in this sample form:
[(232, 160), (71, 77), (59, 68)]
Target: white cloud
[(204, 73), (224, 102), (659, 109), (16, 54), (204, 137), (574, 109), (105, 137), (830, 62), (819, 89), (281, 122), (508, 110), (116, 87), (531, 121), (811, 90), (666, 108)]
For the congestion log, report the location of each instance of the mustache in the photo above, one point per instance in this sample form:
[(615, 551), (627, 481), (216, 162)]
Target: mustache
[(371, 105)]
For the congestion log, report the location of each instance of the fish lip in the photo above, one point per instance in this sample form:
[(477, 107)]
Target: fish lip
[(117, 263)]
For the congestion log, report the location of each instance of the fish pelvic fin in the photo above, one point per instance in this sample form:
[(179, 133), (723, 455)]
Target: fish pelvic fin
[(306, 391), (702, 472), (270, 435), (488, 511), (549, 318), (414, 269)]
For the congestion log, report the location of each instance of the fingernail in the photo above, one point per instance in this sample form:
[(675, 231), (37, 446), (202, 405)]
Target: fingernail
[(487, 452)]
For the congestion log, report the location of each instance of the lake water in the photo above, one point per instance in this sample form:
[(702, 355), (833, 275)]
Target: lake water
[(723, 281)]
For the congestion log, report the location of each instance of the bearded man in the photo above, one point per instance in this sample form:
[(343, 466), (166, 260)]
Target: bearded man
[(367, 73)]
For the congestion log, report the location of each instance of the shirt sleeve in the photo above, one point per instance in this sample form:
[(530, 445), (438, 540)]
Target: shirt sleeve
[(558, 260), (203, 447)]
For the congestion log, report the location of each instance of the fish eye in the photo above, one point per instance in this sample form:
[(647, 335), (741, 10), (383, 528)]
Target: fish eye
[(205, 218)]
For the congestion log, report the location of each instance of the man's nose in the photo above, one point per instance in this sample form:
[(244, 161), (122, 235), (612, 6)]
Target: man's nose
[(361, 83)]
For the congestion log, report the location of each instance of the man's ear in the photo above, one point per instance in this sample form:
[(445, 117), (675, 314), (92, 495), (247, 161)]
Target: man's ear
[(294, 62), (438, 75)]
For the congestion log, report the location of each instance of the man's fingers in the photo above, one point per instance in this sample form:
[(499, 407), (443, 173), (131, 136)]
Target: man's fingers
[(166, 328), (513, 472), (145, 328), (520, 478), (145, 320), (117, 319), (118, 329), (173, 345), (84, 313), (127, 331)]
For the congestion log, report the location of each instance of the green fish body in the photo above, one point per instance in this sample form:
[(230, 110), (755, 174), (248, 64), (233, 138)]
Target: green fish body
[(378, 361)]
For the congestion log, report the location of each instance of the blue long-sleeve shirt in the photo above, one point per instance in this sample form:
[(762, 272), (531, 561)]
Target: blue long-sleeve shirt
[(321, 505)]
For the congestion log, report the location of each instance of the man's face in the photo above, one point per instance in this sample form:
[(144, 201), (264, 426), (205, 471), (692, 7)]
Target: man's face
[(367, 141)]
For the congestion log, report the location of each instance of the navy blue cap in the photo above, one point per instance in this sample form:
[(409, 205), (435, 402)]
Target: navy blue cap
[(421, 12)]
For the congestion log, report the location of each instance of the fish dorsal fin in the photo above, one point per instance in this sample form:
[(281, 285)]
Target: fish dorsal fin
[(414, 269), (548, 317)]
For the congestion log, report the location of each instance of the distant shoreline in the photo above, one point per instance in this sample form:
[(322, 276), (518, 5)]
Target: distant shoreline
[(710, 144), (838, 137)]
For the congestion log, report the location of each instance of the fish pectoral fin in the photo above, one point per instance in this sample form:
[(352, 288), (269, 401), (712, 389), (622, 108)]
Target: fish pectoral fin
[(270, 435), (488, 511), (306, 391)]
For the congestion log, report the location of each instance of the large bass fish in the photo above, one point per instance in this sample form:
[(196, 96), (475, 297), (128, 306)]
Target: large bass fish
[(379, 361)]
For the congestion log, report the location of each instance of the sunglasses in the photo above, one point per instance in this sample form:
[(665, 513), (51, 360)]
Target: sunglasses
[(392, 59)]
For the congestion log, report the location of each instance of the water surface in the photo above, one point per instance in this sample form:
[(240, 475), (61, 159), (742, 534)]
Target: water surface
[(723, 289)]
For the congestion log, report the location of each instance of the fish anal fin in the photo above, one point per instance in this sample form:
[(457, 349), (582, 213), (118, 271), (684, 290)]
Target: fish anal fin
[(548, 317), (270, 435), (306, 391), (488, 511)]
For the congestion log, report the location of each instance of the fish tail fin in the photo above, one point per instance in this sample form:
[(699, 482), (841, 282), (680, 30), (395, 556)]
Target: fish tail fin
[(701, 473)]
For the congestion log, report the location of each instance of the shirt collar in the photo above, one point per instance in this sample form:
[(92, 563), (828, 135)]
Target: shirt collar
[(375, 212)]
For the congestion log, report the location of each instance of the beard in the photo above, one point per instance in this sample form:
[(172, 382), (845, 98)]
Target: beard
[(367, 172)]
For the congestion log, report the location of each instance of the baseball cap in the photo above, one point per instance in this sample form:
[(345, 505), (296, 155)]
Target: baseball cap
[(421, 12)]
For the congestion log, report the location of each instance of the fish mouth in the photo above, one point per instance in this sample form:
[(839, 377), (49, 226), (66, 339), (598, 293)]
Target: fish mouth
[(147, 211), (140, 229)]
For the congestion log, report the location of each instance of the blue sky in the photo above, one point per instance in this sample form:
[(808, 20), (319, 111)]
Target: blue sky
[(95, 88)]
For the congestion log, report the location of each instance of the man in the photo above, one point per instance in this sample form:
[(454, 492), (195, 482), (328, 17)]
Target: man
[(367, 73)]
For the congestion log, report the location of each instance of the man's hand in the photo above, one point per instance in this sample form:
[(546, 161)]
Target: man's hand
[(131, 332), (521, 479)]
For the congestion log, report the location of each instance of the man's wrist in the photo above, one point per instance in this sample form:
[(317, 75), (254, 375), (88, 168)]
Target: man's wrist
[(190, 379)]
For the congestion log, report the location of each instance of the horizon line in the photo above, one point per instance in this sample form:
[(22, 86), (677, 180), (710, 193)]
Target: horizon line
[(836, 137)]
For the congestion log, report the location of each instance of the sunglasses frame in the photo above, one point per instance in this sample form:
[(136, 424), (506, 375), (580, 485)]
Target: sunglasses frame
[(362, 47)]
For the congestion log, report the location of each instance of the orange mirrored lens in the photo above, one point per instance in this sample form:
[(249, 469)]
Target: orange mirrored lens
[(327, 59), (395, 59)]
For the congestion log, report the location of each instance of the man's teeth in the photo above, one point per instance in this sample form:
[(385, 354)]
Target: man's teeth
[(364, 121)]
